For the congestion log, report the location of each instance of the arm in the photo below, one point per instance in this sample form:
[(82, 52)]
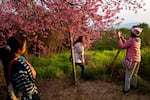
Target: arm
[(33, 72), (22, 80), (124, 43), (120, 36), (123, 39)]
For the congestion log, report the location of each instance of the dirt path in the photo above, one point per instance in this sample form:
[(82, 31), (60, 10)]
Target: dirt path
[(89, 90), (59, 89)]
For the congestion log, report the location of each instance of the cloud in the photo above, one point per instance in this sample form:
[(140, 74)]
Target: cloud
[(141, 16)]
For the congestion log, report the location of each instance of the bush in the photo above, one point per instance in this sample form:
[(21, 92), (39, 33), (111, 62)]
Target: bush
[(105, 44), (144, 68)]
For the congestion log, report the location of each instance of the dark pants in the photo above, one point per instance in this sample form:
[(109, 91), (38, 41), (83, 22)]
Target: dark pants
[(82, 76)]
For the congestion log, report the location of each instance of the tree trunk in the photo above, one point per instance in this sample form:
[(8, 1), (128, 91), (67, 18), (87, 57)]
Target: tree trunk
[(73, 60)]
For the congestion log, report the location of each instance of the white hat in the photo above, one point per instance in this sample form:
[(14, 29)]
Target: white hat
[(136, 31)]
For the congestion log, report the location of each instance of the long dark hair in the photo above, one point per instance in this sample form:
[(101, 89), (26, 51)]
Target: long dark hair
[(80, 39), (7, 53)]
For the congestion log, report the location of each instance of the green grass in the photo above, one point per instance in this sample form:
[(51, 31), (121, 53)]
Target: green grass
[(59, 66), (145, 64), (99, 67)]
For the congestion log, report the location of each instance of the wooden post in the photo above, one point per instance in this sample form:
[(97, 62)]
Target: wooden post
[(73, 60), (116, 56)]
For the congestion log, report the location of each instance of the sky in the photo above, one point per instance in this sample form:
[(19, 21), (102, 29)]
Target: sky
[(140, 17)]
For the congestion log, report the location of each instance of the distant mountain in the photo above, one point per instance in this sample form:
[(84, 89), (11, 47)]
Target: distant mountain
[(129, 25)]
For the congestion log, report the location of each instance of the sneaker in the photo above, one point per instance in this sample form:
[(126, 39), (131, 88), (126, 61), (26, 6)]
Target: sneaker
[(125, 92)]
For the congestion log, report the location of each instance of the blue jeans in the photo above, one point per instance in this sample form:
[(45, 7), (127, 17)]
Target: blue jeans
[(82, 76)]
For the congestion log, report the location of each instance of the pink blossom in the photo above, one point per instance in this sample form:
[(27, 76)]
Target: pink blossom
[(57, 17)]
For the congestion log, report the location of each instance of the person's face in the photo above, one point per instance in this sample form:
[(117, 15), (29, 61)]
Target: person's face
[(23, 50), (83, 39)]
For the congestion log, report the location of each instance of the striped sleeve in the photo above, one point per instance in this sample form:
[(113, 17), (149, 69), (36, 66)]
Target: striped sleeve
[(22, 80), (26, 66)]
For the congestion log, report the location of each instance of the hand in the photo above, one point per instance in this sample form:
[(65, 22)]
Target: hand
[(83, 62), (120, 36)]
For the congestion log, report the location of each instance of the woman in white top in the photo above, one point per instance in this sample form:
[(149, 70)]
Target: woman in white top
[(79, 54)]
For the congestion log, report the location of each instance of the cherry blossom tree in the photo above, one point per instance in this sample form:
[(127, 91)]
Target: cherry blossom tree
[(36, 19)]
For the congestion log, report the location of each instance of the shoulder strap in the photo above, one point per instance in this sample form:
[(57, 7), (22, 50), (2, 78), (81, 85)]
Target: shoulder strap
[(9, 69)]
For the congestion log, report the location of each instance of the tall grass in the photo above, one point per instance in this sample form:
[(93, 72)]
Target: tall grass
[(59, 66), (145, 64)]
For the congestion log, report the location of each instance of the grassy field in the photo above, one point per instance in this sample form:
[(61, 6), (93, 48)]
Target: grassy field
[(59, 66), (98, 67), (101, 66)]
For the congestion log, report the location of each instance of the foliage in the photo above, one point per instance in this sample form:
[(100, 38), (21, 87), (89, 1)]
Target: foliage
[(145, 37), (59, 66), (143, 25), (109, 40), (53, 67), (145, 69), (36, 19), (61, 62), (105, 44), (125, 31)]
